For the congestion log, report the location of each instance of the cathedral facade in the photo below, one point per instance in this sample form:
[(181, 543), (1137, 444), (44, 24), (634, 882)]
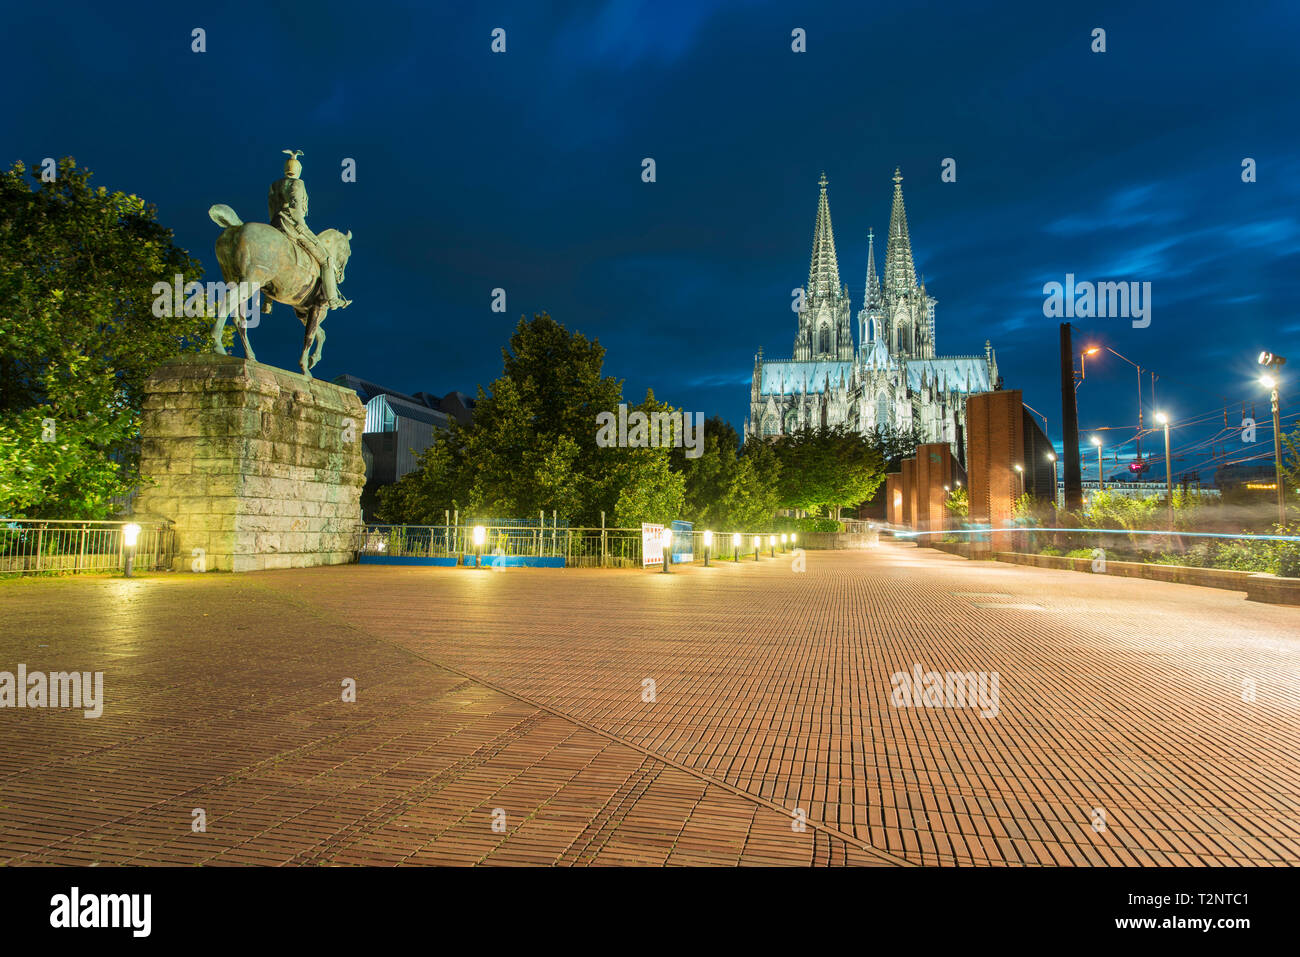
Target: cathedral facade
[(892, 377)]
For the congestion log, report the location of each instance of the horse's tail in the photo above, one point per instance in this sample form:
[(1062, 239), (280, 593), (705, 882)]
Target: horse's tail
[(224, 216)]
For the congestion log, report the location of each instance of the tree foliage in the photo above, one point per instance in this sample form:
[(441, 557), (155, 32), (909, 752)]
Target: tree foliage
[(78, 338), (826, 469), (532, 445)]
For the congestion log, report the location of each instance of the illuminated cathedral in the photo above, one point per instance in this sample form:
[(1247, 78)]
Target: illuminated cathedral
[(892, 377)]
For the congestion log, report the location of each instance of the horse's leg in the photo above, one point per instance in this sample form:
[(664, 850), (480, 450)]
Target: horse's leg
[(320, 345), (241, 323), (312, 322)]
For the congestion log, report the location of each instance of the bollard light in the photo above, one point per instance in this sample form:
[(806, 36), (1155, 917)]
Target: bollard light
[(666, 539), (735, 545), (771, 541), (793, 538), (480, 536), (708, 542), (758, 545), (785, 541), (130, 535)]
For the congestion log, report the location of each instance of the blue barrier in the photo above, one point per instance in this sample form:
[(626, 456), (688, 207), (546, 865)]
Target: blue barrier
[(401, 560)]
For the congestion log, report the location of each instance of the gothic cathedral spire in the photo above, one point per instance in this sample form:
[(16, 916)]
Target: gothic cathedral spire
[(824, 269), (900, 273), (824, 326)]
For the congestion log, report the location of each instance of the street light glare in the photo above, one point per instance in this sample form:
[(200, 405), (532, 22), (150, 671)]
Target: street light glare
[(1268, 382), (1096, 441), (1161, 418), (1091, 350)]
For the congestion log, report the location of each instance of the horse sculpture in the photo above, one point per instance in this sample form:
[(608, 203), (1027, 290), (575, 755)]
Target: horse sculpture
[(282, 270)]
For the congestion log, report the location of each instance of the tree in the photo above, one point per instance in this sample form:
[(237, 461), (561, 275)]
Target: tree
[(532, 446), (78, 338), (727, 488), (826, 469)]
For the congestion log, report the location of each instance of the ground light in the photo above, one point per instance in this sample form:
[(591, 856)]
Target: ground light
[(667, 541), (735, 544), (480, 536), (708, 542), (130, 535)]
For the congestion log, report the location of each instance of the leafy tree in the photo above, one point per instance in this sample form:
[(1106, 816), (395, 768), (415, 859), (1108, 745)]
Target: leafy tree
[(532, 445), (826, 469), (78, 338), (895, 444), (958, 502), (727, 489)]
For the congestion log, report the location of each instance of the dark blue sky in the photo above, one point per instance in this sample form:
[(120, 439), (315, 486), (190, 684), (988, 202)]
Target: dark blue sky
[(523, 171)]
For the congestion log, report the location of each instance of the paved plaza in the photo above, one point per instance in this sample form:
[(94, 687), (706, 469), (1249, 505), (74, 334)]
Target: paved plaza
[(571, 717)]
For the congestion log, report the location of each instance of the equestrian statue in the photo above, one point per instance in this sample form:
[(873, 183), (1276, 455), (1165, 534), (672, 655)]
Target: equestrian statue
[(284, 260)]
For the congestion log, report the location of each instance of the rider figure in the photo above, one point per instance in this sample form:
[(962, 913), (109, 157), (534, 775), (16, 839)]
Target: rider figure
[(287, 202)]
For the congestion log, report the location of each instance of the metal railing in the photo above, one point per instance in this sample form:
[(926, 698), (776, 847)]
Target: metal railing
[(579, 547), (53, 546)]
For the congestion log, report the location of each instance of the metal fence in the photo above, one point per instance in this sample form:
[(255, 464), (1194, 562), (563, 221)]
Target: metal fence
[(52, 546), (579, 547)]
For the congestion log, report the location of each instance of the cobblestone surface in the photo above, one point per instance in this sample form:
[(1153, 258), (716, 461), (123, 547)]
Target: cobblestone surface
[(1137, 722)]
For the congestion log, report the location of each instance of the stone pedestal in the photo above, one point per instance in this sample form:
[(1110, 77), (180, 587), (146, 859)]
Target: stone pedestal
[(257, 466)]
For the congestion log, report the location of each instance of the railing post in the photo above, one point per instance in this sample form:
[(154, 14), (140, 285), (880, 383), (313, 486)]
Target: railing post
[(40, 538), (81, 554), (602, 540)]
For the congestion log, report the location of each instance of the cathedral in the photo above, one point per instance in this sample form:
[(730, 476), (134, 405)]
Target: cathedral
[(893, 377)]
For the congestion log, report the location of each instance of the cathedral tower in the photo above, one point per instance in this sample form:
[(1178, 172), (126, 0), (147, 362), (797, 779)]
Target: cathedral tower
[(825, 329)]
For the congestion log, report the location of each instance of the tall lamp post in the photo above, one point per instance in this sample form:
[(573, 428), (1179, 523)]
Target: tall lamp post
[(1169, 468), (1051, 457), (1139, 372), (1101, 470), (1269, 379)]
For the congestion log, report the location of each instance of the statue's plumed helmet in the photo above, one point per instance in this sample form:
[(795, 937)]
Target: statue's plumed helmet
[(292, 168)]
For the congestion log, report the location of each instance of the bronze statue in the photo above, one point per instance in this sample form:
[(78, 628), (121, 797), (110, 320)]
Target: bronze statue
[(286, 260)]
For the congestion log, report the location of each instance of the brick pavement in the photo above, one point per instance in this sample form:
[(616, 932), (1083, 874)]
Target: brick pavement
[(522, 690)]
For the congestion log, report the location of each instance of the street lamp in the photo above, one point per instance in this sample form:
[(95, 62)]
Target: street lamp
[(1169, 468), (1139, 374), (1020, 470), (666, 540), (1051, 457), (130, 535), (1101, 472), (1270, 381), (708, 543), (1083, 364), (735, 545)]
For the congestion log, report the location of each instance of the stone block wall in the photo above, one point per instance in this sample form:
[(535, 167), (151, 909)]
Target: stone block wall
[(259, 467)]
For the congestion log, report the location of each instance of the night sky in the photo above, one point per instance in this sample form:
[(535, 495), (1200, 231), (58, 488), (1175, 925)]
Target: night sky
[(522, 171)]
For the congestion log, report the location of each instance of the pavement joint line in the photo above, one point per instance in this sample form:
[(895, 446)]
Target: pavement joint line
[(886, 856)]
